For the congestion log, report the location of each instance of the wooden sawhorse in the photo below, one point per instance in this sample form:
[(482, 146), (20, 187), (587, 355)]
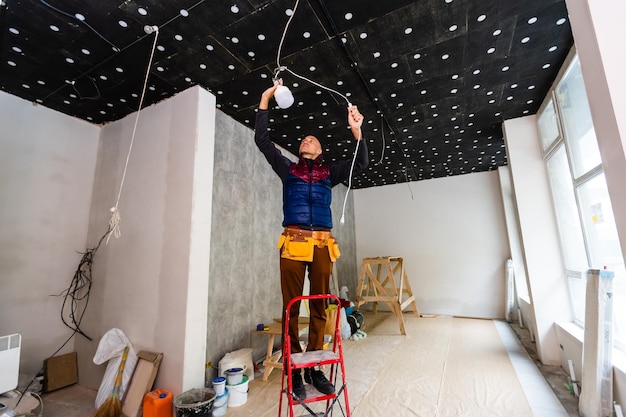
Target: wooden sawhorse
[(376, 288)]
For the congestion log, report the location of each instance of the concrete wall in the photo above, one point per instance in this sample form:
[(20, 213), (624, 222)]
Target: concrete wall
[(247, 214), (47, 164), (451, 233)]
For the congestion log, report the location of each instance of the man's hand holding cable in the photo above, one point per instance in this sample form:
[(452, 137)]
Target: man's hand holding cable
[(355, 119)]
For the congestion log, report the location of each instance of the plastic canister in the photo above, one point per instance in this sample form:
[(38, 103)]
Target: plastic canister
[(241, 358), (219, 385), (157, 403)]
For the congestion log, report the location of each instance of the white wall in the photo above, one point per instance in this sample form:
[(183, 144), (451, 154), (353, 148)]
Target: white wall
[(451, 234), (152, 282), (47, 163), (599, 31), (538, 230)]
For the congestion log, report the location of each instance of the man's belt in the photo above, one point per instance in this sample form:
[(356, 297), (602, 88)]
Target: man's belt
[(302, 233)]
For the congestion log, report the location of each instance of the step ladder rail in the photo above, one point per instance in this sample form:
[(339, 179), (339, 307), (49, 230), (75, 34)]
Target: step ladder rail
[(335, 400), (292, 361)]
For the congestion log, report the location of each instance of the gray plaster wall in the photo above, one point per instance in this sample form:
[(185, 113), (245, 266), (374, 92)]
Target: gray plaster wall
[(244, 283)]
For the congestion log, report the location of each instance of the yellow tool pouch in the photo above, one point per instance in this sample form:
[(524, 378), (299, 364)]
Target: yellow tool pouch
[(300, 249), (333, 249)]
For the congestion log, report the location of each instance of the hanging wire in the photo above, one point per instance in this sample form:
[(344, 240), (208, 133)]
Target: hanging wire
[(78, 291), (408, 183), (345, 199), (114, 222), (280, 68), (364, 83), (83, 21), (282, 38), (382, 131)]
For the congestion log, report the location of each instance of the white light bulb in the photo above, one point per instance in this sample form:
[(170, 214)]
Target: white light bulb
[(283, 97), (150, 29)]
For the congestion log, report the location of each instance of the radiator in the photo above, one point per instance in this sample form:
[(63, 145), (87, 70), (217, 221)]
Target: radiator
[(9, 361)]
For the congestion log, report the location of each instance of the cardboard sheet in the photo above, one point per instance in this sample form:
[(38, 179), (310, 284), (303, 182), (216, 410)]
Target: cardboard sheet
[(141, 383)]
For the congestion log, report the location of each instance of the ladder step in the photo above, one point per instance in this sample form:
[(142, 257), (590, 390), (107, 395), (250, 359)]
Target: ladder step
[(315, 357)]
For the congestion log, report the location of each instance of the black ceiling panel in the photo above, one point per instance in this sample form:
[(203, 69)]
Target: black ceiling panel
[(435, 79)]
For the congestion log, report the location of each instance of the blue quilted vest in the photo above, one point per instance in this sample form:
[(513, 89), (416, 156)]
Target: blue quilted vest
[(307, 195)]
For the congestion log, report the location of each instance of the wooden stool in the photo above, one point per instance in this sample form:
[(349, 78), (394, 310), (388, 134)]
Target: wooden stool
[(375, 288), (272, 360)]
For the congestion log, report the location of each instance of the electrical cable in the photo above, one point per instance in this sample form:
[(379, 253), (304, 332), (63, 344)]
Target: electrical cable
[(80, 96), (104, 61), (282, 38), (382, 132), (115, 48), (345, 199), (354, 66), (40, 403), (75, 291), (280, 68)]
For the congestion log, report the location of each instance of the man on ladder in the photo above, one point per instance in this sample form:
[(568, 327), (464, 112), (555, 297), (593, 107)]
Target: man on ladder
[(307, 242)]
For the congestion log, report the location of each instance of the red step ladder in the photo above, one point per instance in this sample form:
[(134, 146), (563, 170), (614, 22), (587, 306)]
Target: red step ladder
[(332, 357)]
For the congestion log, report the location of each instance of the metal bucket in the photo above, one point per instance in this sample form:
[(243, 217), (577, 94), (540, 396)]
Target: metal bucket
[(197, 402)]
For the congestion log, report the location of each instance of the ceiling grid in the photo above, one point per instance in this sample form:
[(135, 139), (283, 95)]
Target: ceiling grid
[(435, 79)]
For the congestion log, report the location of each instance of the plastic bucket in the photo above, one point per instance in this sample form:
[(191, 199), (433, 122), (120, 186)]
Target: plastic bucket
[(157, 403), (238, 394), (241, 358), (219, 384), (220, 404), (197, 402), (234, 376)]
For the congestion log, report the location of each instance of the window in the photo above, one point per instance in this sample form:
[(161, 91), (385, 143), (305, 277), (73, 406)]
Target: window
[(583, 209)]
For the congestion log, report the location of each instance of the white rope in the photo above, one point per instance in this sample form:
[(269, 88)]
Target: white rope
[(114, 222), (282, 38)]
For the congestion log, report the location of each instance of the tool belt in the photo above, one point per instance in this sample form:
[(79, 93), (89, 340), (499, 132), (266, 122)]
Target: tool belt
[(299, 244)]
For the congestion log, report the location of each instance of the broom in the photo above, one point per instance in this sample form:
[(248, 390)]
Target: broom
[(112, 407)]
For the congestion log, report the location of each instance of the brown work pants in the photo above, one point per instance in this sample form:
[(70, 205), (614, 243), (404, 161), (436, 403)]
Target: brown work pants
[(292, 282)]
